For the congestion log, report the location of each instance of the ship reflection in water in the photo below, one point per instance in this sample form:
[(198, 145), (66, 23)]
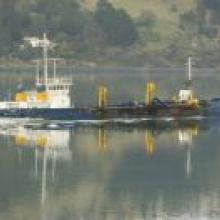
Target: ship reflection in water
[(152, 170)]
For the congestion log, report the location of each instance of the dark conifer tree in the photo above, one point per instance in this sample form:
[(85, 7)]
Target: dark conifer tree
[(116, 24)]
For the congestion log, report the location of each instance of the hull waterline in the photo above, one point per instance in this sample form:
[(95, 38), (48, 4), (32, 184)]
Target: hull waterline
[(112, 112)]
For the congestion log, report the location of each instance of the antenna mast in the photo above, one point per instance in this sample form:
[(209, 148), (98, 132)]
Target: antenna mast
[(189, 69), (45, 45), (37, 61)]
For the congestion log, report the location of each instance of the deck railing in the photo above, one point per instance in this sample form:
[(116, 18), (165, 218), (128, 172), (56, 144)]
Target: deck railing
[(55, 81)]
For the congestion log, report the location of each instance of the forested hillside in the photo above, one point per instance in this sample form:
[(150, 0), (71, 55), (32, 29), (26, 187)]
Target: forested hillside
[(115, 32)]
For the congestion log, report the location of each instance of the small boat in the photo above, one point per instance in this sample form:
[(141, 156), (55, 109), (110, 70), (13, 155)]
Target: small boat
[(51, 100)]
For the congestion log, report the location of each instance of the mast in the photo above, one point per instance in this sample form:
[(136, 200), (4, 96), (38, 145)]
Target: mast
[(54, 69), (186, 94), (45, 44), (189, 69), (45, 57), (38, 71), (37, 61)]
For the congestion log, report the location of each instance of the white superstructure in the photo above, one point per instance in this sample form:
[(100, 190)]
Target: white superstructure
[(54, 90)]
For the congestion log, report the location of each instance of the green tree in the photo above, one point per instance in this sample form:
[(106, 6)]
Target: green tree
[(214, 6), (12, 24), (58, 16), (116, 24)]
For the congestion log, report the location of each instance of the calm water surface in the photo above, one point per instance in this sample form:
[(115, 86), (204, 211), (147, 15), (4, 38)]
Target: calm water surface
[(153, 170)]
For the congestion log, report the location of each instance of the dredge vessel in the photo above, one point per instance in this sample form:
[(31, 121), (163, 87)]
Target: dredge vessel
[(51, 99)]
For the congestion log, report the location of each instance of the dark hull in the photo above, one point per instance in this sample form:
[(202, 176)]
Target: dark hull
[(110, 112), (50, 114), (150, 112)]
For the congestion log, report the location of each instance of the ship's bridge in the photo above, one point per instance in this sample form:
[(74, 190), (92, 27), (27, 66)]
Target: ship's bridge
[(57, 90)]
